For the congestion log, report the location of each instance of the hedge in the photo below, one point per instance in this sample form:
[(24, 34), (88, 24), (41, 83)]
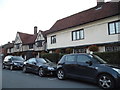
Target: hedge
[(109, 57), (54, 57)]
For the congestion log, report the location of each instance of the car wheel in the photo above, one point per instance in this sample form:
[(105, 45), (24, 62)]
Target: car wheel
[(60, 74), (105, 81), (11, 67), (24, 69), (41, 72)]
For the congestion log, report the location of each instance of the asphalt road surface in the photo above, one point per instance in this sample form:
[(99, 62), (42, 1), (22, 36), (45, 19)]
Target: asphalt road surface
[(18, 79)]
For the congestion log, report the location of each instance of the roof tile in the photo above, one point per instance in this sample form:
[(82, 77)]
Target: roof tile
[(96, 13)]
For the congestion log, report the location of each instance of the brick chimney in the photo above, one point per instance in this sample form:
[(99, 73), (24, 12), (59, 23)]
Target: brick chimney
[(35, 30), (100, 2)]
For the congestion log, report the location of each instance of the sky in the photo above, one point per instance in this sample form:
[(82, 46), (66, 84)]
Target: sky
[(23, 15)]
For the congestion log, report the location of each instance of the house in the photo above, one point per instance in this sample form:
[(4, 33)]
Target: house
[(40, 43), (6, 49), (10, 49), (98, 26), (28, 45)]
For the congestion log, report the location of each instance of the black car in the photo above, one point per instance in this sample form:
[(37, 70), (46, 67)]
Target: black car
[(13, 62), (40, 66), (89, 67)]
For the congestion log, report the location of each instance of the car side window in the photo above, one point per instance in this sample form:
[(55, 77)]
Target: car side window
[(32, 60), (70, 58), (82, 58)]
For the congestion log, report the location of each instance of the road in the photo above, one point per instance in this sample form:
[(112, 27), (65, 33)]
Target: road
[(18, 79)]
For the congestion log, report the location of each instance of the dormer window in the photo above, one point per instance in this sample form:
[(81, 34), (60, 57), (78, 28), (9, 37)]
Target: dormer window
[(39, 43), (17, 46), (31, 46)]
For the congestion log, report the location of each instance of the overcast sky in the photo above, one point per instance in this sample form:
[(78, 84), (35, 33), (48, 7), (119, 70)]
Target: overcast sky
[(23, 15)]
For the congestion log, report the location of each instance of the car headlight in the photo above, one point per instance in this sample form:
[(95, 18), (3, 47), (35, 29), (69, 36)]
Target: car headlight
[(117, 70), (50, 68), (24, 62), (15, 63)]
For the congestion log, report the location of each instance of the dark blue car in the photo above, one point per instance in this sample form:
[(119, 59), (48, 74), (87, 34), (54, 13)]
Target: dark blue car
[(89, 67)]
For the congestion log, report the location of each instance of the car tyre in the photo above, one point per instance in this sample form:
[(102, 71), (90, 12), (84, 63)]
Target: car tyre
[(11, 67), (24, 69), (106, 81), (61, 74), (41, 72)]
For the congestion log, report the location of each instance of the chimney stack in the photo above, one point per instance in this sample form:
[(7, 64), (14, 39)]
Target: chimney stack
[(13, 42), (35, 30), (100, 2)]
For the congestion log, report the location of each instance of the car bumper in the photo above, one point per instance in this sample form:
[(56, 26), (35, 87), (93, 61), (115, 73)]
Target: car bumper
[(50, 72), (18, 66)]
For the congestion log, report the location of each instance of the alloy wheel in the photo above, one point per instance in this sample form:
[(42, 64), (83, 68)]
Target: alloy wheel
[(61, 74), (41, 72), (105, 81)]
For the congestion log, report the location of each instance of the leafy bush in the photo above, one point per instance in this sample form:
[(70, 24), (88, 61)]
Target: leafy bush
[(69, 50), (54, 57), (110, 57), (58, 51), (93, 48)]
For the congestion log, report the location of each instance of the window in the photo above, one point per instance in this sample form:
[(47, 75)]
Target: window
[(80, 50), (112, 48), (32, 60), (78, 34), (114, 27), (30, 46), (17, 46), (53, 39), (39, 44), (82, 58), (70, 58)]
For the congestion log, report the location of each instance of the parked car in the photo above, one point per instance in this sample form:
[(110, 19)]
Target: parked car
[(13, 62), (89, 67), (40, 66)]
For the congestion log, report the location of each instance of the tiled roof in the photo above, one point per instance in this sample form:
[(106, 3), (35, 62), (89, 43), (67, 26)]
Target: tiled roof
[(8, 45), (96, 13), (27, 38)]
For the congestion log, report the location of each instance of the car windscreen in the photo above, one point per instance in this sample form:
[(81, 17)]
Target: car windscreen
[(98, 59), (42, 60), (18, 58)]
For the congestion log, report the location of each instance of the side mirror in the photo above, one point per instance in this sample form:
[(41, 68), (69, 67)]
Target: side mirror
[(89, 62)]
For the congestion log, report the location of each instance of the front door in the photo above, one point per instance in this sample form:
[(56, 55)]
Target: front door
[(84, 69)]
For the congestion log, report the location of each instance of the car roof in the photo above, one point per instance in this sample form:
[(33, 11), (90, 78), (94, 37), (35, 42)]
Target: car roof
[(79, 54)]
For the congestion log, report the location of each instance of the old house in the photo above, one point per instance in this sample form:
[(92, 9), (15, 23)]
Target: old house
[(98, 26)]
